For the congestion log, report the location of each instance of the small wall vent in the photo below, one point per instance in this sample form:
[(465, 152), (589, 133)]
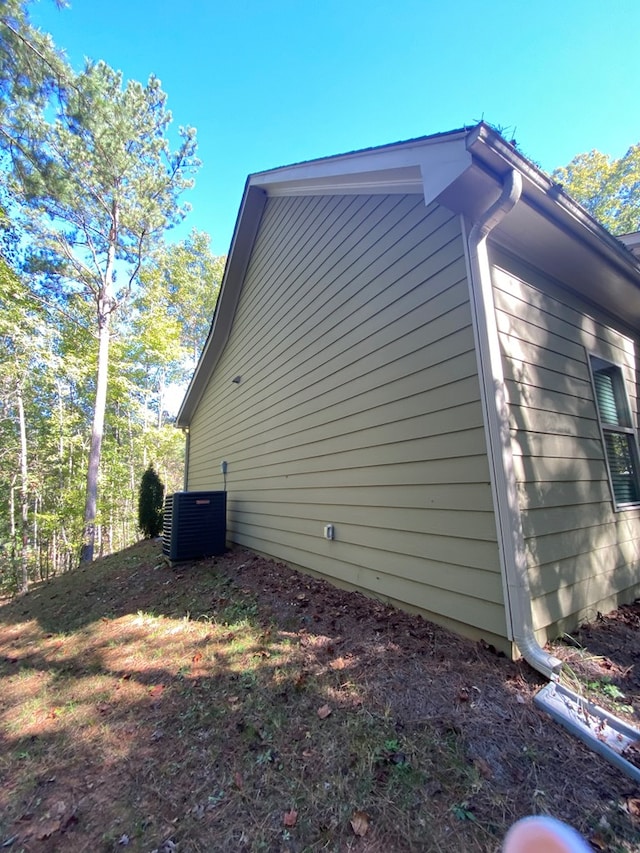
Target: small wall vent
[(194, 525)]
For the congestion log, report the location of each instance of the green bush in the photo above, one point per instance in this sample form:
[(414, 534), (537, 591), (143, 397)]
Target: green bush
[(150, 501)]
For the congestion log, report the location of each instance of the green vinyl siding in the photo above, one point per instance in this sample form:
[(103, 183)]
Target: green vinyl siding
[(583, 555), (358, 405)]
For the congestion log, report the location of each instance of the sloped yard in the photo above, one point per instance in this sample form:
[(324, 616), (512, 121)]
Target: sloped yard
[(235, 705)]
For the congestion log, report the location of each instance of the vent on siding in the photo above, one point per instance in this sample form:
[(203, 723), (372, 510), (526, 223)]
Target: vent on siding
[(194, 525)]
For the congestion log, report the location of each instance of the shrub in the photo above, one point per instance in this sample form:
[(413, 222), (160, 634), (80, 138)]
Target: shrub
[(150, 502)]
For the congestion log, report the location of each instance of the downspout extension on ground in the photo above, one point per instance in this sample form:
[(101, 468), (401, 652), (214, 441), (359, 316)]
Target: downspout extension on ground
[(602, 732)]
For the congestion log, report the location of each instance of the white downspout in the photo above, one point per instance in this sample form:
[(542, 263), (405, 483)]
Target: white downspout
[(496, 411)]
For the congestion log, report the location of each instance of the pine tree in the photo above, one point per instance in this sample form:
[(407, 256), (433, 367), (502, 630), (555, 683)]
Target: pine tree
[(98, 184)]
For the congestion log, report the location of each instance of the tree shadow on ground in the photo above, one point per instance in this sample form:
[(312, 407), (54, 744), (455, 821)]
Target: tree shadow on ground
[(200, 705)]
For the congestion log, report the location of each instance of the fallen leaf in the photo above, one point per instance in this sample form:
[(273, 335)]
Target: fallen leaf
[(290, 818), (599, 842), (483, 768), (156, 691), (47, 829), (360, 823), (633, 806), (237, 778), (196, 658), (59, 808), (338, 663), (324, 712)]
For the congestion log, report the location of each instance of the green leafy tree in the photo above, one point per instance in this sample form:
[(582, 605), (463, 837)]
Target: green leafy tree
[(100, 185), (608, 188), (150, 504), (172, 314)]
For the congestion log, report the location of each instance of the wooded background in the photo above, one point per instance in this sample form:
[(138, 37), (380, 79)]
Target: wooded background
[(100, 315)]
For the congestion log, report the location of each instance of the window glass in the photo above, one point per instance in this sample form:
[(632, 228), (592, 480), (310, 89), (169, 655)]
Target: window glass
[(618, 435), (606, 397), (624, 478)]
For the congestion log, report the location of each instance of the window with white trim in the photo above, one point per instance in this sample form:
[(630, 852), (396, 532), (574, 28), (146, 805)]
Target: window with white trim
[(618, 433)]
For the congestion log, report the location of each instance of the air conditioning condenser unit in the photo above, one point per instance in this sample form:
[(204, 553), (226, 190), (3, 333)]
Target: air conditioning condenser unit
[(195, 525)]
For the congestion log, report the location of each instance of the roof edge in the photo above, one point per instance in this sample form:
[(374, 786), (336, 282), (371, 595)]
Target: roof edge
[(484, 142), (258, 178), (245, 232)]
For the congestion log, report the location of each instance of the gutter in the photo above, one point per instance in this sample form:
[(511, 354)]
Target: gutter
[(550, 198), (599, 730)]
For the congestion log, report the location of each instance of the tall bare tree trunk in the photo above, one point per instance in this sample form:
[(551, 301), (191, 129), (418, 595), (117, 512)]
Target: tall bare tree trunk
[(12, 522), (97, 431), (161, 396), (24, 495), (36, 536)]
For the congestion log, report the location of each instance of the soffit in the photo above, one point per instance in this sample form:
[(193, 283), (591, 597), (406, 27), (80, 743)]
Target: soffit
[(570, 260)]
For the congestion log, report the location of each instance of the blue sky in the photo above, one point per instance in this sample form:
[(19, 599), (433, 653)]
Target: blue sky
[(271, 83)]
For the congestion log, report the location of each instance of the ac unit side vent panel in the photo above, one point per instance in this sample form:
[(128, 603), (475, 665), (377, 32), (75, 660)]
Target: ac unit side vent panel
[(194, 525)]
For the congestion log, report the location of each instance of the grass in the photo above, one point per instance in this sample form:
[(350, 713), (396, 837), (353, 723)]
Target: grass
[(595, 677), (159, 710)]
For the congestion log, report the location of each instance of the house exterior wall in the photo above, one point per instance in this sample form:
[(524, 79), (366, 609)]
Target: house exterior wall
[(359, 406), (583, 555)]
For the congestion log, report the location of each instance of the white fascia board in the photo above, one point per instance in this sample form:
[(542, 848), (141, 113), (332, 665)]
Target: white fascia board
[(441, 165), (424, 166)]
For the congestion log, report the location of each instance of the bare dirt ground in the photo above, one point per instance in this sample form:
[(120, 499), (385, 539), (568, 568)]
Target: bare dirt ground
[(235, 704)]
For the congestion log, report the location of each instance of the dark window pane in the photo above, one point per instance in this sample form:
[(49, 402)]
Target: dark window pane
[(606, 397), (621, 464)]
